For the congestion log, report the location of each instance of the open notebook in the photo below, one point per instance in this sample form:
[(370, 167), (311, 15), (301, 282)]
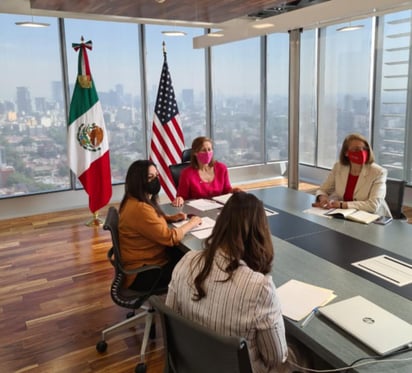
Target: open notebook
[(377, 328)]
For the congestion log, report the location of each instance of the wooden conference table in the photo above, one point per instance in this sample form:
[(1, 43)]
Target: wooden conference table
[(298, 229)]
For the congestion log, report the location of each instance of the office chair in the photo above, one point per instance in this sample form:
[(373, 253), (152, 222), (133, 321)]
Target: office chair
[(394, 197), (128, 298), (190, 347), (176, 170), (186, 155)]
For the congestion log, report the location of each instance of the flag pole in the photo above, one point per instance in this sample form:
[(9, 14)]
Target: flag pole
[(88, 146), (95, 221)]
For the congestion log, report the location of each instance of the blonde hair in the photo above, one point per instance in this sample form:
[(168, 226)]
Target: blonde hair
[(345, 146)]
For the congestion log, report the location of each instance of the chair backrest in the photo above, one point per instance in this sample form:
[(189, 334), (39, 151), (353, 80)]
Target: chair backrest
[(191, 347), (394, 197), (121, 296), (186, 155), (176, 170), (112, 224)]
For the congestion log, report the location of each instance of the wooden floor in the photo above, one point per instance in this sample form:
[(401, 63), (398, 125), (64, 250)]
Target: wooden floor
[(54, 298)]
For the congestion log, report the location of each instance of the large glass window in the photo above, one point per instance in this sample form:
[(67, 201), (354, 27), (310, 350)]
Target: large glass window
[(393, 93), (277, 96), (236, 102), (32, 114), (114, 63), (308, 90), (344, 85), (187, 69)]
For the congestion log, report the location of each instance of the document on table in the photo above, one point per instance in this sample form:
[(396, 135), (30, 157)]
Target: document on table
[(270, 212), (204, 204), (223, 198), (390, 269), (207, 224), (298, 299), (317, 211)]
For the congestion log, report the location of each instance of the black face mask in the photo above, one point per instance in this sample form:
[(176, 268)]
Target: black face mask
[(153, 187)]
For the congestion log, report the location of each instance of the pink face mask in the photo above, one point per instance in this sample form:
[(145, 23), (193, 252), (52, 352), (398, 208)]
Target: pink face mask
[(204, 157), (359, 156)]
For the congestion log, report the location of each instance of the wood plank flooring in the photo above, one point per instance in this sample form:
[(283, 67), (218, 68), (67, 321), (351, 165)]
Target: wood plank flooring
[(54, 298)]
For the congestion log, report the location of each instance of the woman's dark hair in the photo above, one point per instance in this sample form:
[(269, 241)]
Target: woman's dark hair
[(343, 158), (242, 233), (135, 185), (197, 145)]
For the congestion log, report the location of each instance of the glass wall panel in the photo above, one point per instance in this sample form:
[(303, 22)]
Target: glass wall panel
[(393, 94), (277, 97), (32, 115), (236, 102), (344, 85), (308, 91), (187, 69), (115, 66)]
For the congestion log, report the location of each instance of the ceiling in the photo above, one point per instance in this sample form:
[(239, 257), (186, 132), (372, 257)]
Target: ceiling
[(232, 19), (209, 11)]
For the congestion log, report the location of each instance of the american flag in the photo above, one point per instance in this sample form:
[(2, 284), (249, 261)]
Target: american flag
[(167, 136)]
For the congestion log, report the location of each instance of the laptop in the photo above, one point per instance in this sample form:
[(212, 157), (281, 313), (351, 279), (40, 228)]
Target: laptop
[(377, 328)]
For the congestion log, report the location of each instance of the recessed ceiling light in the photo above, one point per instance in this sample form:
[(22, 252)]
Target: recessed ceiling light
[(32, 24), (350, 28), (263, 25), (215, 35), (173, 33)]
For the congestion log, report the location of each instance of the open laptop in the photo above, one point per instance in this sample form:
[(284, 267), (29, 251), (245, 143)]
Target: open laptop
[(377, 328)]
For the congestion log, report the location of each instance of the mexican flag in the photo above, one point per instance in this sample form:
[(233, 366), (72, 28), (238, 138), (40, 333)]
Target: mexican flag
[(88, 145)]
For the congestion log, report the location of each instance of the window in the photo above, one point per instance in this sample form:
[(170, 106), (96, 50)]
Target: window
[(114, 64), (32, 112), (277, 97), (393, 104), (187, 70), (344, 84), (308, 91), (236, 102)]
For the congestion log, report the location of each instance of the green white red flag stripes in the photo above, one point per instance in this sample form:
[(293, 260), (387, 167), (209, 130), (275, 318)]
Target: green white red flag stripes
[(88, 145), (167, 136)]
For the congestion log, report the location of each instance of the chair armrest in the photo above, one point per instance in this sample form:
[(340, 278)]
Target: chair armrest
[(134, 271)]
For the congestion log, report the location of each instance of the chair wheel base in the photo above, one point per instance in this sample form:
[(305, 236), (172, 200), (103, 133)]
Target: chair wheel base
[(101, 346), (140, 368)]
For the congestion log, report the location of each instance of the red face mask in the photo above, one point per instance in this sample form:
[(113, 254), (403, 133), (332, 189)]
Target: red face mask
[(359, 156)]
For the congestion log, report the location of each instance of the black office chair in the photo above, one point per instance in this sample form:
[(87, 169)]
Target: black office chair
[(129, 298), (394, 197), (191, 347), (176, 170), (186, 155)]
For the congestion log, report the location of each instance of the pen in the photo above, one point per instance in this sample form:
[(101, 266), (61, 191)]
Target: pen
[(309, 317)]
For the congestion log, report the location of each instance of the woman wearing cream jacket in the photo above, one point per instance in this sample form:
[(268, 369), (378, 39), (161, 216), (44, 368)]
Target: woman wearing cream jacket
[(356, 181)]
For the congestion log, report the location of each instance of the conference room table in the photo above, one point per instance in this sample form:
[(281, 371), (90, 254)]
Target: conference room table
[(293, 232)]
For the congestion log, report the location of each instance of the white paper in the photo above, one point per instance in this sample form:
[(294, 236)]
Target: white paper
[(223, 198), (270, 212), (202, 234), (204, 204), (206, 224), (390, 269), (317, 211), (298, 299)]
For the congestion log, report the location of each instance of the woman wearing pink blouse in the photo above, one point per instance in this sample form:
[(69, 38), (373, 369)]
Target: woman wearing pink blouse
[(206, 177)]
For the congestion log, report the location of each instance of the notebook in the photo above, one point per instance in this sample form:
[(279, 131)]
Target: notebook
[(377, 328)]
